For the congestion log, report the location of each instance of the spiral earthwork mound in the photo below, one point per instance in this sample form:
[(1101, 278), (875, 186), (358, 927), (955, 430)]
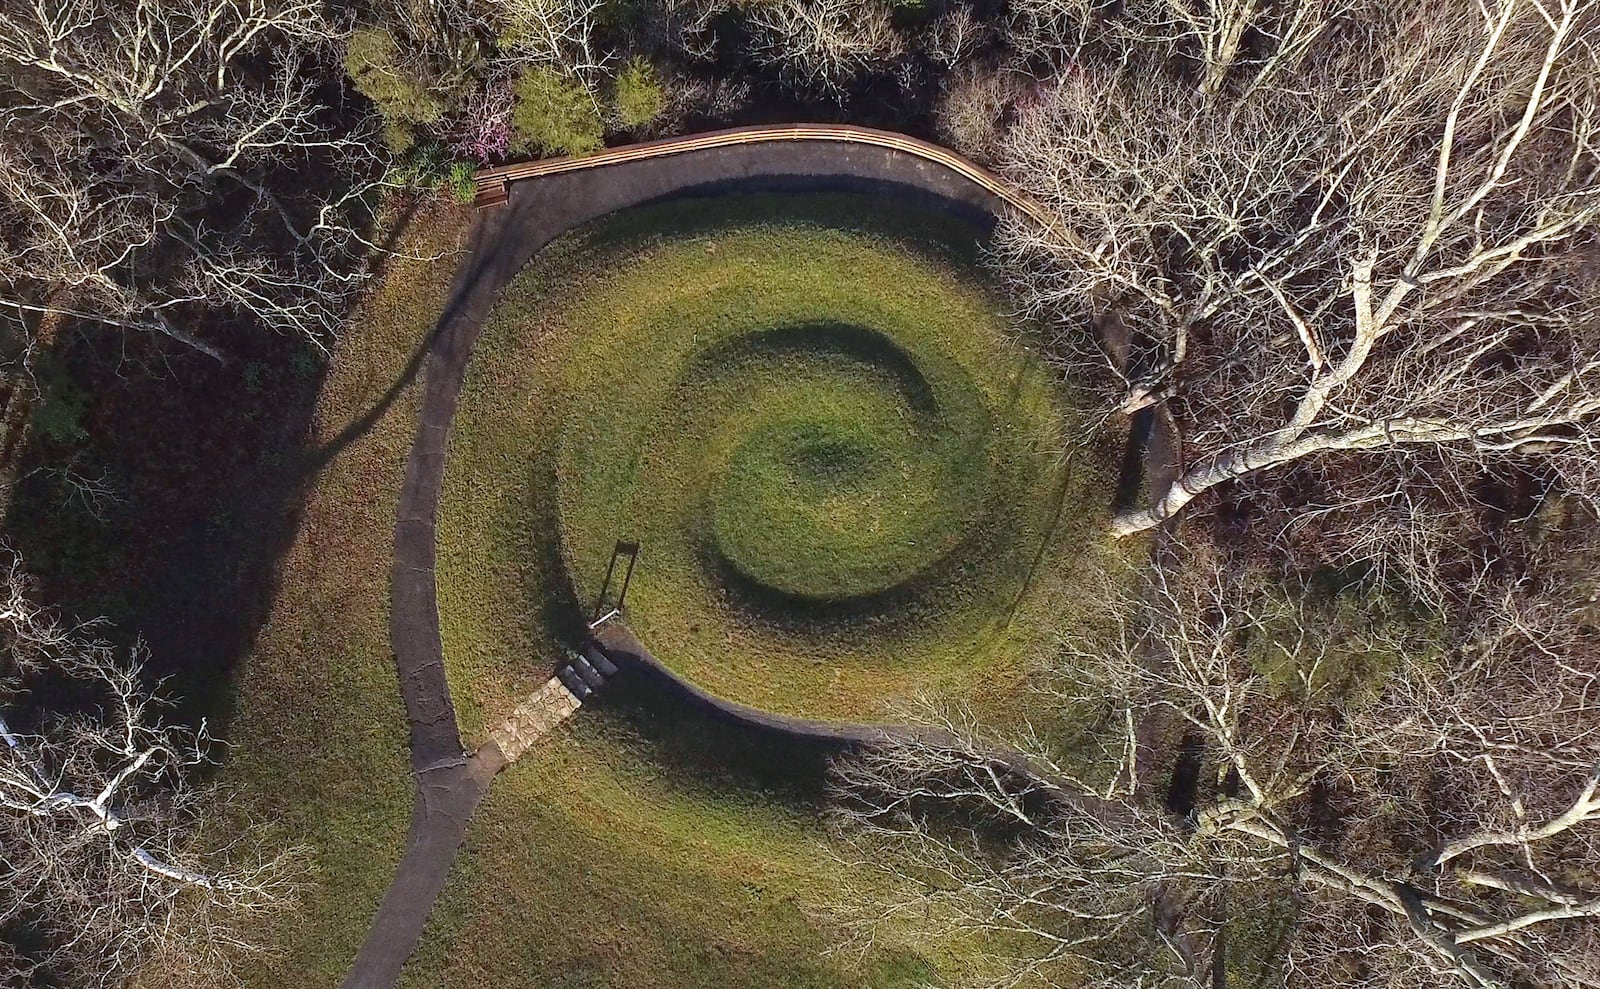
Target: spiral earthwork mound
[(843, 461)]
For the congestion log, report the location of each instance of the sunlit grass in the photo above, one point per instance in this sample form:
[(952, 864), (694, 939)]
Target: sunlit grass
[(845, 468)]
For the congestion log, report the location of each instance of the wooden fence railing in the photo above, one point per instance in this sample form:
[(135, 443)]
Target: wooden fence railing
[(494, 184)]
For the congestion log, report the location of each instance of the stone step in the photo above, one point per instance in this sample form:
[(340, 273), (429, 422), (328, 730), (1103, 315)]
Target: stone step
[(590, 675), (598, 659), (545, 708), (574, 683)]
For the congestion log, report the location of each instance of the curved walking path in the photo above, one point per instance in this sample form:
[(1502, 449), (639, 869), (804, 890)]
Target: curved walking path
[(493, 185), (524, 218)]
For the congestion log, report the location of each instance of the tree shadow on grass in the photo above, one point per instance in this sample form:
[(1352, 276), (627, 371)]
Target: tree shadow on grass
[(209, 468), (701, 749)]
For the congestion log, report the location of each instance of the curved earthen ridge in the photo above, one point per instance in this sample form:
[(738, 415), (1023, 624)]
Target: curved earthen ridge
[(535, 203)]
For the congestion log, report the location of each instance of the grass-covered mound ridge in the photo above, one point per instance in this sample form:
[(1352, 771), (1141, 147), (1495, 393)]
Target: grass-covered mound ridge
[(832, 466), (844, 466)]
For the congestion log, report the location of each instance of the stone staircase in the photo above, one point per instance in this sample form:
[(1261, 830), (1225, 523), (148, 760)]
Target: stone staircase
[(575, 682), (588, 671)]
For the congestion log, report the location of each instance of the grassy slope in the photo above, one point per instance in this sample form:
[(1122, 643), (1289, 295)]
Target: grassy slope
[(320, 741), (627, 851), (692, 884), (641, 845), (503, 588), (837, 478)]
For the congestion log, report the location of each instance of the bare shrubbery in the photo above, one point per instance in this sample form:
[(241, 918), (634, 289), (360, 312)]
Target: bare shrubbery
[(977, 104), (1408, 803), (825, 43), (114, 856)]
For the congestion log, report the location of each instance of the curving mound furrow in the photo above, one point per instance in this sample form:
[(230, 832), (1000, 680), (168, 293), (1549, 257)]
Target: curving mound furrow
[(844, 472), (834, 469)]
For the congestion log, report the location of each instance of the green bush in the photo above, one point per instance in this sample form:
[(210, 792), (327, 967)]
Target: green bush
[(640, 94), (554, 114), (423, 166), (460, 182), (428, 165), (399, 136), (404, 96)]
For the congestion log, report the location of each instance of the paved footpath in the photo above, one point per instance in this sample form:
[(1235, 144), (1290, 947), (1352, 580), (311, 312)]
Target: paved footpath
[(449, 782)]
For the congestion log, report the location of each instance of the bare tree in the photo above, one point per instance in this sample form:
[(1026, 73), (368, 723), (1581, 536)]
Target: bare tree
[(113, 854), (1433, 822), (1051, 32), (687, 27), (956, 34), (1218, 41), (146, 179), (824, 44), (559, 33), (1381, 235), (1214, 34)]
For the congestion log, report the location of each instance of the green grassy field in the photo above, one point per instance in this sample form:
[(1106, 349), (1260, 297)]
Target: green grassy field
[(814, 398), (843, 464), (643, 845), (674, 866), (621, 852), (318, 749)]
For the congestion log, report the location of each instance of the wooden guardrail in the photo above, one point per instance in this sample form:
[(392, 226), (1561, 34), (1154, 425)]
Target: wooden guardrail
[(494, 184)]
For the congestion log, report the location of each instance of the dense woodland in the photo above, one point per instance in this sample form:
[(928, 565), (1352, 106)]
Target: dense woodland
[(1338, 259)]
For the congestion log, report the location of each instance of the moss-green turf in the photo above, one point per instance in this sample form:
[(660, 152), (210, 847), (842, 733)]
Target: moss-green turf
[(842, 462), (641, 845)]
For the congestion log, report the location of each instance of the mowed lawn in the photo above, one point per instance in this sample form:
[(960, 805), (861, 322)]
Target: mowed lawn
[(702, 885), (642, 845), (848, 472)]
